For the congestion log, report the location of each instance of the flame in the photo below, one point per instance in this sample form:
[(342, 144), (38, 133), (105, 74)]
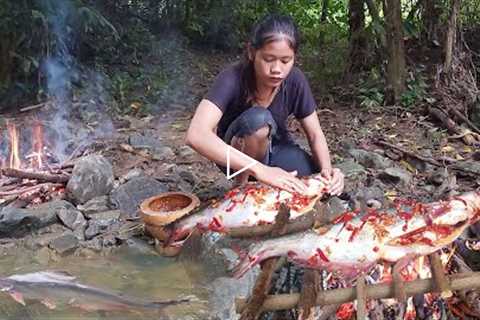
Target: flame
[(37, 138), (14, 160)]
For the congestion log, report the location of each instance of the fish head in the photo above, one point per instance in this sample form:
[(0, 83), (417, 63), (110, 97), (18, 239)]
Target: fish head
[(5, 285), (464, 208), (446, 220)]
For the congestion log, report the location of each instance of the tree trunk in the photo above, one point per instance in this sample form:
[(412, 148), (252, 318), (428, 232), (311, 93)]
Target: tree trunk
[(396, 51), (451, 36), (357, 45), (431, 12), (323, 19), (6, 61)]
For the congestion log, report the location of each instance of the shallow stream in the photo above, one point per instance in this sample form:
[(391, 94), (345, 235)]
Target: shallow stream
[(127, 272)]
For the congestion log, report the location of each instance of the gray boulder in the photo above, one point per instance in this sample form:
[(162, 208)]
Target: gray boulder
[(370, 159), (17, 222), (396, 175), (92, 176), (128, 196)]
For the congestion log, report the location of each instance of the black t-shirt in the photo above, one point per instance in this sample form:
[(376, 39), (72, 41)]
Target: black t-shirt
[(294, 97)]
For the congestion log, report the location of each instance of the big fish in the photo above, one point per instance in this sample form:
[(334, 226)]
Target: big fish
[(51, 288), (253, 204), (355, 243)]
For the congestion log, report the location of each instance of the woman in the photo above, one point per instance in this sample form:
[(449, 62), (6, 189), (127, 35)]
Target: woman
[(248, 105)]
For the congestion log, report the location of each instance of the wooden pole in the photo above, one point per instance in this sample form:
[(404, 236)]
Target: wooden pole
[(361, 298), (441, 282), (459, 281), (260, 290)]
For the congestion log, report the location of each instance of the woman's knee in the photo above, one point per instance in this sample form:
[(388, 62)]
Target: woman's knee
[(291, 157), (255, 121)]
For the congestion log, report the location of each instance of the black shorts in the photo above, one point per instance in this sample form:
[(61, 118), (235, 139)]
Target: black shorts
[(284, 154)]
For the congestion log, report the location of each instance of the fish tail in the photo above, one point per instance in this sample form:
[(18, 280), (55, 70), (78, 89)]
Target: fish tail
[(252, 258)]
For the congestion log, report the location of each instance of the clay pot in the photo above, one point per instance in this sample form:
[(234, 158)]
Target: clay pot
[(167, 207), (157, 232)]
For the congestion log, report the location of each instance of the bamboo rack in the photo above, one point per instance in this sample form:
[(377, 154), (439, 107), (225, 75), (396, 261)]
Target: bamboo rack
[(459, 281)]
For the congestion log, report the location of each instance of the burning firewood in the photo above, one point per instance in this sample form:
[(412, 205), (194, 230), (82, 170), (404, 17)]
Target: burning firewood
[(40, 176)]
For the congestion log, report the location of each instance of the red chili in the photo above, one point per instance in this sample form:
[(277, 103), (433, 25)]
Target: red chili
[(322, 255)]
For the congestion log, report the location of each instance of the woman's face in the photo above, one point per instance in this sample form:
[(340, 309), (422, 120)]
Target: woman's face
[(273, 63)]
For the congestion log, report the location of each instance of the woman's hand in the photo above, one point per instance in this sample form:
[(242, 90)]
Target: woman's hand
[(277, 177), (334, 180)]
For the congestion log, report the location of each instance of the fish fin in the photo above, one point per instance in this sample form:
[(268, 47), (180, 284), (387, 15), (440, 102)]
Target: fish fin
[(166, 303), (59, 275), (17, 296), (48, 303)]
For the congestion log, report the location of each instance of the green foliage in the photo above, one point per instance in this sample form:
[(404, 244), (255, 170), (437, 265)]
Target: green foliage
[(416, 90)]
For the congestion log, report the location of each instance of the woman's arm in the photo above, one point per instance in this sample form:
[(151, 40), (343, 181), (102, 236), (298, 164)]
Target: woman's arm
[(321, 154), (202, 138)]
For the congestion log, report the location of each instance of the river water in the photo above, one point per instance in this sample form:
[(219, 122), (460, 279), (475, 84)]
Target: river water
[(125, 272)]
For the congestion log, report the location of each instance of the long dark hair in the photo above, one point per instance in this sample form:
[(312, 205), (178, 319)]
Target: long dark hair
[(270, 28)]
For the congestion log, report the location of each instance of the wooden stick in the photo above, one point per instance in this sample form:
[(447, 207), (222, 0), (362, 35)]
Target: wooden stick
[(409, 153), (36, 106), (309, 293), (462, 117), (361, 298), (30, 189), (40, 176), (441, 282), (460, 281), (262, 284), (429, 160), (398, 283), (450, 124)]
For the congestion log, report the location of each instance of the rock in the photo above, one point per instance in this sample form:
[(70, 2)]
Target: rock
[(97, 204), (45, 239), (95, 244), (470, 166), (370, 159), (163, 153), (186, 152), (224, 292), (42, 256), (155, 146), (92, 176), (15, 222), (101, 222), (94, 230), (127, 197), (396, 175), (65, 244), (139, 141), (72, 218), (134, 173), (438, 176), (351, 169), (106, 218)]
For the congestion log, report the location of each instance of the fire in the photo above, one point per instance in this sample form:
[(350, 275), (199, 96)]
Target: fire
[(14, 160), (37, 138)]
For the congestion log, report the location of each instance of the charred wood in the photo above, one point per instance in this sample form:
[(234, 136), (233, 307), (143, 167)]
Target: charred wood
[(40, 176)]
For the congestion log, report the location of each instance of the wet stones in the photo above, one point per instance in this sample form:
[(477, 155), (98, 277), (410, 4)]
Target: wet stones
[(65, 244), (128, 196), (97, 204), (15, 222), (92, 176)]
